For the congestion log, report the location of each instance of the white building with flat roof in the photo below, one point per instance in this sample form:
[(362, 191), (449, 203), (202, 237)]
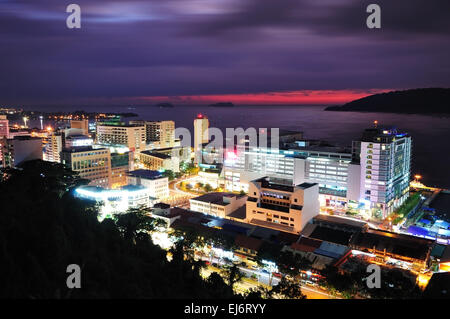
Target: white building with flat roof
[(217, 204), (154, 181), (282, 207)]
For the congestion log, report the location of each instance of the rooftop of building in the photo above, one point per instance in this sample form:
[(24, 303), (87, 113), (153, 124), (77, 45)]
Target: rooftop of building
[(156, 154), (145, 173), (81, 149), (332, 235), (339, 221), (239, 213), (266, 182), (120, 125), (306, 185), (161, 206), (25, 138), (371, 134), (394, 243), (248, 242), (217, 198)]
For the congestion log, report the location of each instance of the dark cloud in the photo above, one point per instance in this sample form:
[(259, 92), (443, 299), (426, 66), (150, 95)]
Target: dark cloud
[(187, 47)]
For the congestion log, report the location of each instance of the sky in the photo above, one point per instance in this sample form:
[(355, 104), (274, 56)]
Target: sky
[(132, 52)]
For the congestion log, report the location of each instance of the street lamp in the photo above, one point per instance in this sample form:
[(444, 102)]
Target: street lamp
[(417, 177)]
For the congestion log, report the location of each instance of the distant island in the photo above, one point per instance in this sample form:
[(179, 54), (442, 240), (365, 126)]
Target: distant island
[(222, 104), (165, 104), (414, 101)]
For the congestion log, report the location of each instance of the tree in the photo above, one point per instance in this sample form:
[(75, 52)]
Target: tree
[(136, 220), (233, 275), (43, 229), (288, 289), (208, 188)]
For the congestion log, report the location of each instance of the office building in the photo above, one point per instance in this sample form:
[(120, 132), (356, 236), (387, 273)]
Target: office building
[(159, 161), (82, 125), (157, 184), (281, 207), (130, 136), (20, 149), (201, 132), (217, 204), (89, 163), (385, 159), (161, 133)]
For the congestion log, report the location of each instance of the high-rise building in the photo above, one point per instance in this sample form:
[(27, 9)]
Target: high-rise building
[(83, 125), (53, 147), (4, 126), (282, 207), (201, 126), (130, 136), (4, 132), (20, 149), (385, 159), (89, 163), (161, 132)]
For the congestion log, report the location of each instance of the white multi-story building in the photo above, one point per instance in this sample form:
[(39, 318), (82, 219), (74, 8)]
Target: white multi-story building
[(130, 136), (385, 157), (154, 181), (53, 148), (281, 207), (201, 126), (217, 204), (331, 167)]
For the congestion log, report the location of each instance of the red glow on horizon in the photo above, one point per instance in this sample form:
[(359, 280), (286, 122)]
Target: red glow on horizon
[(304, 97)]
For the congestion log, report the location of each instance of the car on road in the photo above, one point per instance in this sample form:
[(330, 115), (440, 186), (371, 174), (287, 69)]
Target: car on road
[(276, 274), (265, 271), (215, 265)]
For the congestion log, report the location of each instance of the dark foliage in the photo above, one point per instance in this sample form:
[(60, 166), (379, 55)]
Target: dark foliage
[(43, 229)]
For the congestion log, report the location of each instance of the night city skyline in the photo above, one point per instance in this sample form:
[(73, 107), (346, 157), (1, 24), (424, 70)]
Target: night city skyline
[(225, 158)]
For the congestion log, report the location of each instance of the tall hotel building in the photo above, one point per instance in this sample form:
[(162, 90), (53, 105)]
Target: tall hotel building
[(4, 126), (131, 136), (89, 163), (53, 147), (4, 132), (201, 126), (162, 132), (385, 157)]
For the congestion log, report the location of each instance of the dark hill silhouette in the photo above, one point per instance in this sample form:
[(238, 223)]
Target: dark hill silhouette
[(414, 101)]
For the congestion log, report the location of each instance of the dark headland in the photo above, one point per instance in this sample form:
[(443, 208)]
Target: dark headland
[(165, 104), (222, 104), (414, 101)]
